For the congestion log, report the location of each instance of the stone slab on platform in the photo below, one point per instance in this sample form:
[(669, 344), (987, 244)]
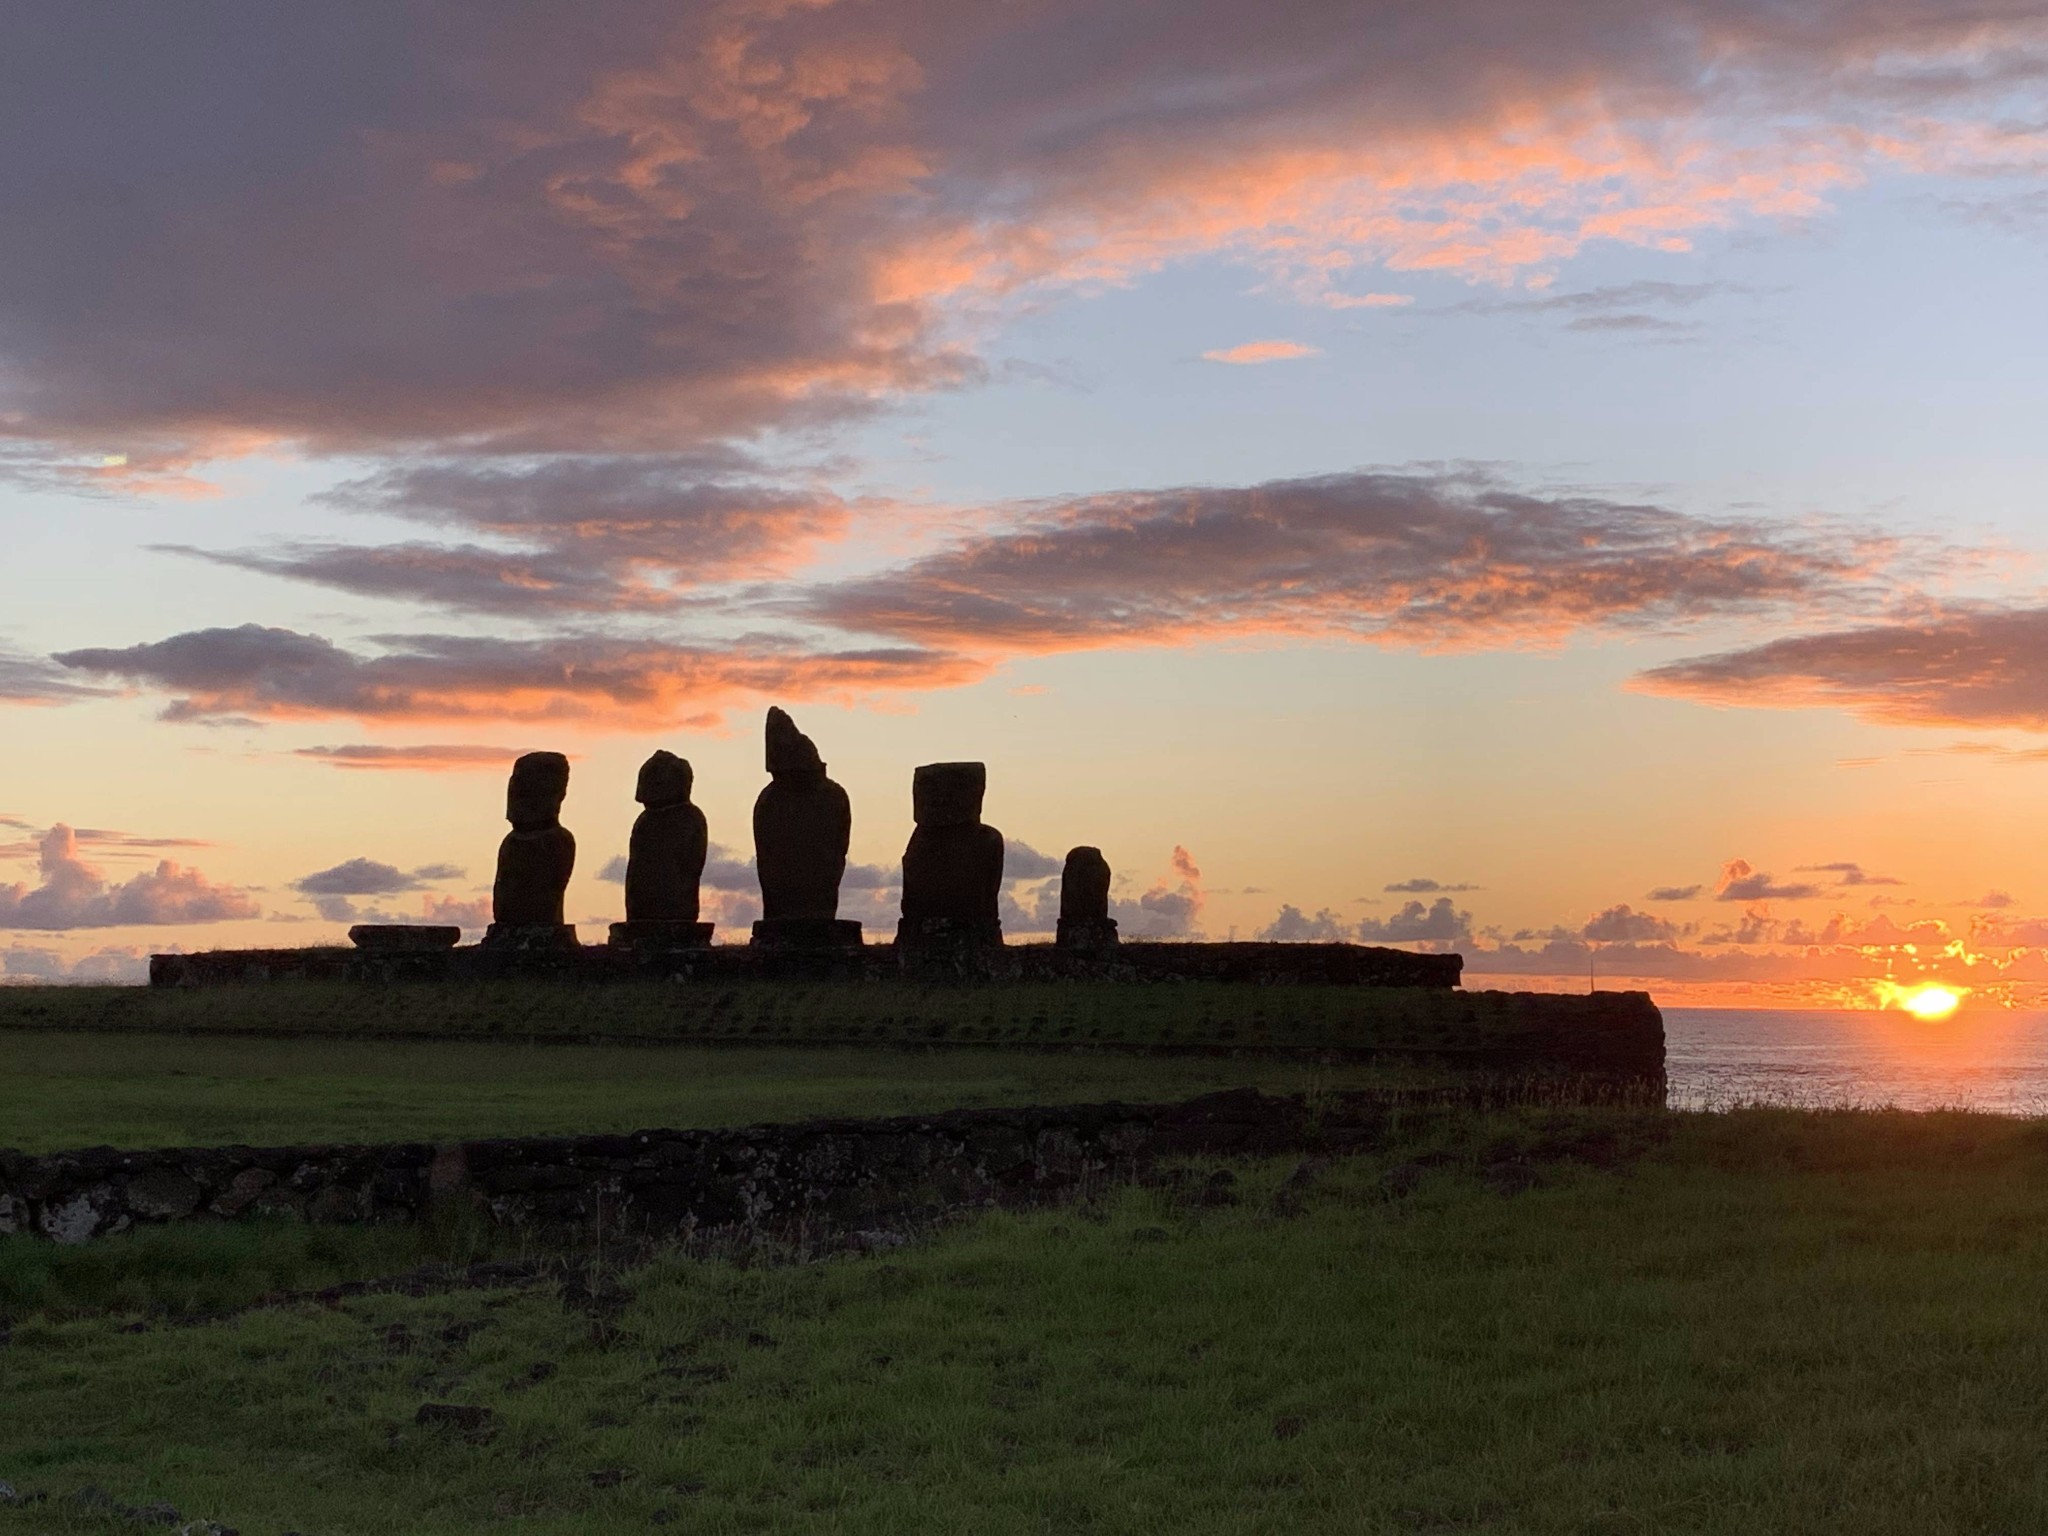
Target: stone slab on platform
[(405, 936)]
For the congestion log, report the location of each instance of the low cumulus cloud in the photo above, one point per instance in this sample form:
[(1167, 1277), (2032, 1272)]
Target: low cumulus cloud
[(74, 894), (1623, 924), (1438, 924), (1423, 886), (330, 890), (1978, 667), (1741, 881), (1675, 893), (1293, 926), (109, 965), (1441, 922)]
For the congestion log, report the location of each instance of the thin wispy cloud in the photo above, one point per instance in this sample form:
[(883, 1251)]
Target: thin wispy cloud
[(443, 757), (270, 673), (1252, 352), (1444, 560), (1981, 667)]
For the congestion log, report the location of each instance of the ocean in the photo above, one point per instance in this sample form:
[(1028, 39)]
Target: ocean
[(1718, 1057)]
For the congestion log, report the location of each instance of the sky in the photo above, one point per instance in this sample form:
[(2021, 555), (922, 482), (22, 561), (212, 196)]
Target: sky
[(1560, 482)]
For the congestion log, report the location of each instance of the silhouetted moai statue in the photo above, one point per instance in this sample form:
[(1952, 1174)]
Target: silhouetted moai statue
[(664, 861), (802, 825), (535, 860), (1085, 923), (953, 866)]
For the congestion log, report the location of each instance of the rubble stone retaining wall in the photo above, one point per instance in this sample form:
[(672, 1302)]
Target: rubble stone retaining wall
[(832, 1175)]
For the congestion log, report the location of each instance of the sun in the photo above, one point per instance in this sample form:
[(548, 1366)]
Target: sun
[(1930, 1002)]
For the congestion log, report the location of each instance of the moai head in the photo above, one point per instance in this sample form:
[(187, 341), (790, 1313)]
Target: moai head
[(948, 794), (665, 779), (791, 754), (539, 784)]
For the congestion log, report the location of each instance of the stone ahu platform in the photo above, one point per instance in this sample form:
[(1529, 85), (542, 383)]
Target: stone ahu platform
[(378, 958)]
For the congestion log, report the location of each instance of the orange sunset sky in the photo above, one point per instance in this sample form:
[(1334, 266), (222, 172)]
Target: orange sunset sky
[(1563, 482)]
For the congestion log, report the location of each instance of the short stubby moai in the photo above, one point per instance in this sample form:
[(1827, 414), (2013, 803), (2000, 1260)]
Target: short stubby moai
[(803, 823), (953, 865), (664, 861), (1085, 924), (535, 860)]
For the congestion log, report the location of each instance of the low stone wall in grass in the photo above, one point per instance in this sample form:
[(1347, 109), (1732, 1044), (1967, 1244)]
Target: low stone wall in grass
[(1258, 963), (796, 1180)]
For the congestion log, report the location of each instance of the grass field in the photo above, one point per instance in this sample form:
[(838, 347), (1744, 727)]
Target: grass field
[(1761, 1321), (61, 1089), (1045, 1014)]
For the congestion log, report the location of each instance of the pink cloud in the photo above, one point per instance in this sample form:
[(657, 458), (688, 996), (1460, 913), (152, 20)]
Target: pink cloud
[(73, 894), (1262, 352)]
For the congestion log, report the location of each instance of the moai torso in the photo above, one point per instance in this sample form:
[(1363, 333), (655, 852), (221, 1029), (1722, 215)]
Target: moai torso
[(953, 865), (1084, 887), (803, 824), (665, 859), (538, 855)]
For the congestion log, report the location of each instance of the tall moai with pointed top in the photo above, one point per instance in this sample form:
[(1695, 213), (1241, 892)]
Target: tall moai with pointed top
[(1085, 923), (803, 823), (535, 860), (953, 865), (664, 861)]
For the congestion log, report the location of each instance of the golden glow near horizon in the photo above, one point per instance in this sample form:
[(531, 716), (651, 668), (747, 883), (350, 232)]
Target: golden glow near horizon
[(1930, 1000)]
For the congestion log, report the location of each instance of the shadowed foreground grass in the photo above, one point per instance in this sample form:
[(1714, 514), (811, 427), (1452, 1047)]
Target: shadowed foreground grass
[(1764, 1321), (63, 1089)]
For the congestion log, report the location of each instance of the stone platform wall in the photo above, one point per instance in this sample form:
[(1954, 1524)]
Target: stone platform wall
[(1268, 964), (805, 1179)]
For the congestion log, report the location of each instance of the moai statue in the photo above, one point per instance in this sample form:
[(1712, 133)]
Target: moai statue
[(802, 825), (1085, 923), (664, 862), (535, 860), (953, 866)]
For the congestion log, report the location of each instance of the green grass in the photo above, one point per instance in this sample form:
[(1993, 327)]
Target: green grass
[(1767, 1321), (200, 1269), (1046, 1013), (60, 1090)]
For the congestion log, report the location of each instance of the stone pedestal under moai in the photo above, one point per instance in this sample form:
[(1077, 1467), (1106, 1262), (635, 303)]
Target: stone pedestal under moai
[(803, 823), (664, 862), (1085, 923), (534, 861), (401, 951), (952, 867)]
